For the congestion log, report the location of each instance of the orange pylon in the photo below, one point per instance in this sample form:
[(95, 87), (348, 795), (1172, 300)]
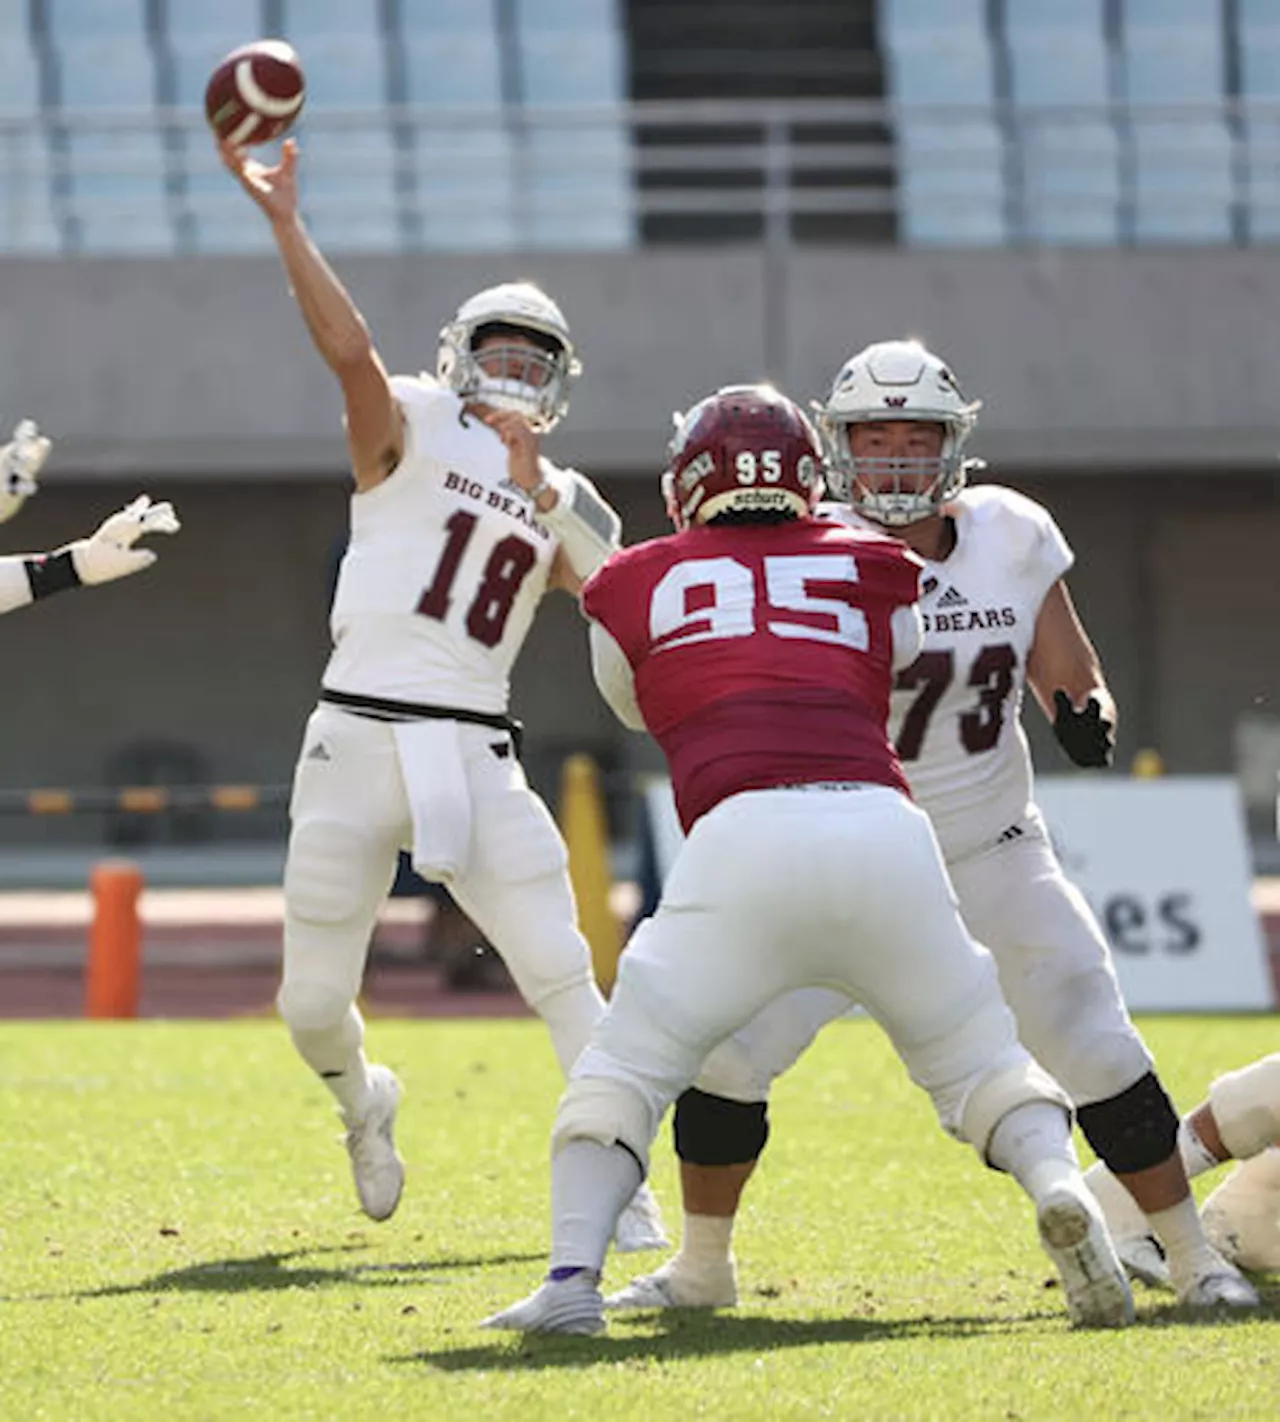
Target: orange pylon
[(115, 940)]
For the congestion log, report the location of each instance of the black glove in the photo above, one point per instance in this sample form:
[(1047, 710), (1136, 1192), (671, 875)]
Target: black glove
[(1084, 735)]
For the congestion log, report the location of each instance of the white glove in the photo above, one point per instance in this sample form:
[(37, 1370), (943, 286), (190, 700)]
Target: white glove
[(109, 553), (20, 461)]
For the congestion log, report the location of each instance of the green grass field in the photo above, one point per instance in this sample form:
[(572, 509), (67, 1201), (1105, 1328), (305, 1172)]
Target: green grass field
[(178, 1239)]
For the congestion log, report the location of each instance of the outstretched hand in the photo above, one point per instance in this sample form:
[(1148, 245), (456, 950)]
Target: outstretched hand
[(274, 189), (109, 553)]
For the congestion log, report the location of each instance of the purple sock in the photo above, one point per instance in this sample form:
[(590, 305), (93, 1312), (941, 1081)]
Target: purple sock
[(566, 1271)]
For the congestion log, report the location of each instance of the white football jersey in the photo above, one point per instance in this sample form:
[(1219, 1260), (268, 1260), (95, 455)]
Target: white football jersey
[(956, 710), (445, 567)]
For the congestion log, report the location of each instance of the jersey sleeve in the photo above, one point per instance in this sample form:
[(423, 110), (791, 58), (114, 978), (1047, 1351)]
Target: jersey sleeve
[(426, 404), (616, 595), (1026, 536)]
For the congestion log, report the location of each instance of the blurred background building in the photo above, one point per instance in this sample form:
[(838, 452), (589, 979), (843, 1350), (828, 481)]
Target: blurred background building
[(1077, 201)]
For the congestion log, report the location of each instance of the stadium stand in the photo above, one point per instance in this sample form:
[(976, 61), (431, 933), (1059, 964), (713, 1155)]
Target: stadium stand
[(480, 125)]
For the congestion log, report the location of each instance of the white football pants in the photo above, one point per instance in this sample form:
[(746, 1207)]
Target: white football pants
[(351, 815), (1055, 971), (779, 889)]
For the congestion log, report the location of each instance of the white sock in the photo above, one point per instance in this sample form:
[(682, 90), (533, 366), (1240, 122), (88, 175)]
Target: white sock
[(570, 1015), (707, 1245), (590, 1187), (1033, 1144), (336, 1055), (1196, 1156), (1186, 1249)]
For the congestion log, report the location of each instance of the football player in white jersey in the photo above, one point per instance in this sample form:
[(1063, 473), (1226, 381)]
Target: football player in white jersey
[(103, 557), (458, 527), (997, 617)]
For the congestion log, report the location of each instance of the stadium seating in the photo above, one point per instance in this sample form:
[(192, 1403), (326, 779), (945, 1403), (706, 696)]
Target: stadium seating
[(490, 124)]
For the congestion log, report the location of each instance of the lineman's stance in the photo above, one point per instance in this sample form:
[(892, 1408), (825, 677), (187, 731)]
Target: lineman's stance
[(758, 645), (104, 556), (997, 617), (458, 528)]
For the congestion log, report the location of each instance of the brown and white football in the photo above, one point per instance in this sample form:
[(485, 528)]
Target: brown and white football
[(256, 92)]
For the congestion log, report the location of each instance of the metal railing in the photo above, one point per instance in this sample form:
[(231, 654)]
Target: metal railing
[(758, 169)]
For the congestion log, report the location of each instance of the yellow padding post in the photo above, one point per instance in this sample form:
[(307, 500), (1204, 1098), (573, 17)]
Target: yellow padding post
[(583, 824)]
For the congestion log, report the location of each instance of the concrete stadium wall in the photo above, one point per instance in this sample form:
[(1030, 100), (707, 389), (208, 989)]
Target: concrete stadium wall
[(221, 645), (201, 366), (1102, 371)]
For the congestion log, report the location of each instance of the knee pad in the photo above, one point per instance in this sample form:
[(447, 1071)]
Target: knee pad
[(1133, 1130), (310, 1006), (1001, 1092), (331, 874), (712, 1130), (1246, 1106), (598, 1108)]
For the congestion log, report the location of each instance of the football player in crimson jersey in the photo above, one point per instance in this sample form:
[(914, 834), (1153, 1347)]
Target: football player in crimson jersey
[(458, 528), (758, 646), (997, 617)]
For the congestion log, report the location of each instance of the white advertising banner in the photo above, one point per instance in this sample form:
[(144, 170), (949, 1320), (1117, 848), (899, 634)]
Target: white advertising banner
[(1165, 866)]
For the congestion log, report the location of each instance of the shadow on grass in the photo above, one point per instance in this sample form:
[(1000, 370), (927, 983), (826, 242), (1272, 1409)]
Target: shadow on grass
[(683, 1334), (267, 1272)]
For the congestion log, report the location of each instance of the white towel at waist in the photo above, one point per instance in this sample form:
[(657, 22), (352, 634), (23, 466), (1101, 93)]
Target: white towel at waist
[(435, 780)]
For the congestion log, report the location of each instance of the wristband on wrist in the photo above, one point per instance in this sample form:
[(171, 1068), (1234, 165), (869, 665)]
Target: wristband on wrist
[(50, 573)]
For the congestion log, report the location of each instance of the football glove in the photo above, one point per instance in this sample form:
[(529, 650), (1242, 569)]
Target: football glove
[(109, 553), (1086, 736), (20, 462)]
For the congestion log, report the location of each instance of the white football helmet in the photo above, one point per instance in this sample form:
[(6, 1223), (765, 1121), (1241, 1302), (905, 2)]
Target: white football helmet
[(896, 380), (540, 387)]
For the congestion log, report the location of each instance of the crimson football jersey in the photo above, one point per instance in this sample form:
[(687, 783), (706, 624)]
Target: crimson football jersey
[(762, 655)]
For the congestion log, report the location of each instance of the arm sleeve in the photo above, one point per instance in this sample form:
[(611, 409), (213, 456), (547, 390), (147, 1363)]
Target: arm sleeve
[(587, 528), (15, 585), (614, 677), (907, 627)]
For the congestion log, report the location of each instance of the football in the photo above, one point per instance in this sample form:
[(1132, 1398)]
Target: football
[(255, 93)]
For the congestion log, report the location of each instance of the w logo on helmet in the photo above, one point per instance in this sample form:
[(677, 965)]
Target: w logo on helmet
[(896, 401)]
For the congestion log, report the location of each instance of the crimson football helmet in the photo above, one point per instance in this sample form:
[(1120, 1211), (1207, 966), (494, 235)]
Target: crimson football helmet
[(745, 449)]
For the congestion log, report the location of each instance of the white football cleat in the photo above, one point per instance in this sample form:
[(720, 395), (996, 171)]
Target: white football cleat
[(570, 1305), (375, 1162), (1075, 1238), (671, 1287), (640, 1225), (1217, 1284), (1242, 1216), (1143, 1258)]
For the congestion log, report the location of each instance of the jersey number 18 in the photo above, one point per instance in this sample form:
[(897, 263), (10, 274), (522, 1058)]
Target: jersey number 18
[(506, 568)]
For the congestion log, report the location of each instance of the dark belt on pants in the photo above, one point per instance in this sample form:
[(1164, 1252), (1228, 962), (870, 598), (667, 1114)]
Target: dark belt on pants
[(384, 708)]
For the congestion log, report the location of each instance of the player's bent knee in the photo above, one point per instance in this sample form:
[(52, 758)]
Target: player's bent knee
[(309, 1006), (1246, 1106), (1003, 1091), (328, 874), (712, 1130), (598, 1108), (1133, 1130)]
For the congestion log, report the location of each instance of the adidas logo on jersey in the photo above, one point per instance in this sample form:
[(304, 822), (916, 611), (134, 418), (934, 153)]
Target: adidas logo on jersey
[(319, 751), (952, 598)]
